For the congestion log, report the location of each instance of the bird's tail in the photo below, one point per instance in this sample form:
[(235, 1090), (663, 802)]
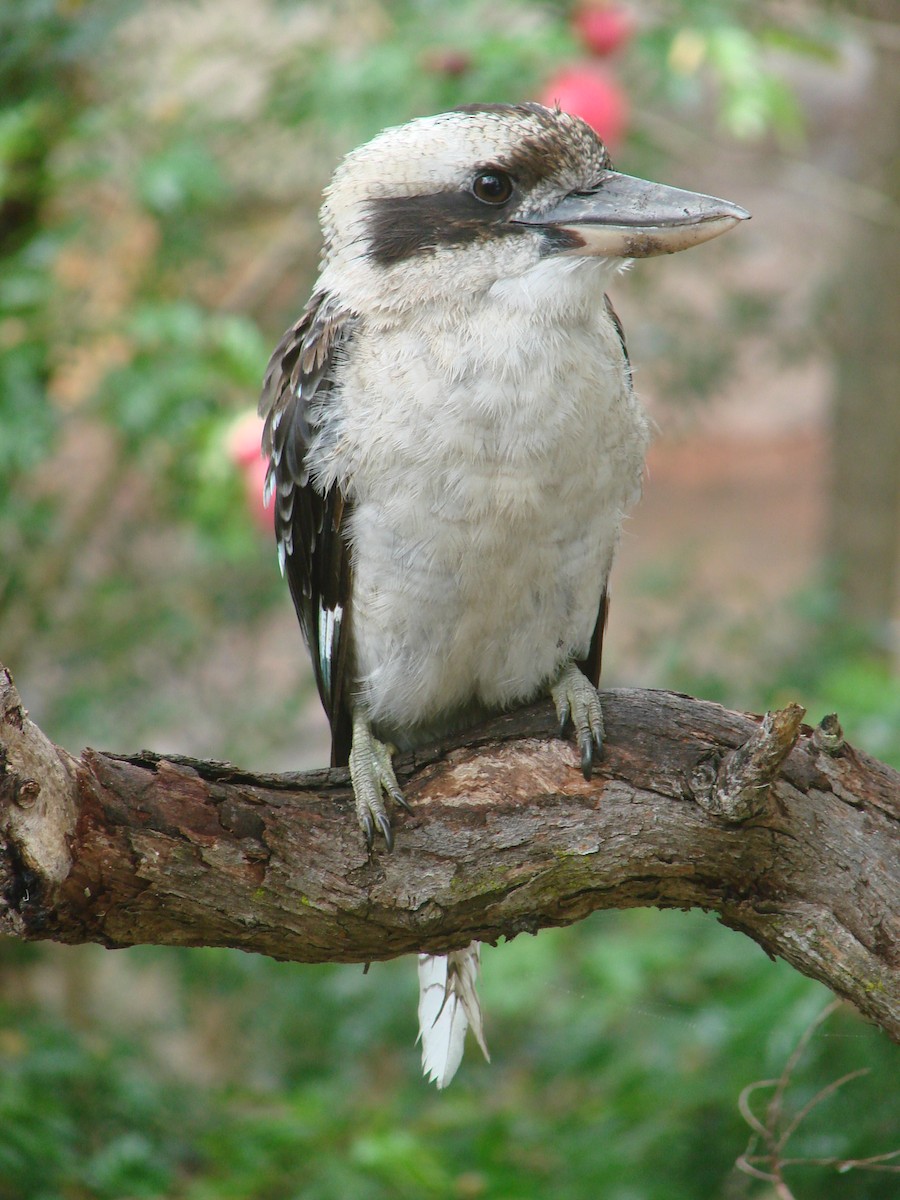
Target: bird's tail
[(448, 1005)]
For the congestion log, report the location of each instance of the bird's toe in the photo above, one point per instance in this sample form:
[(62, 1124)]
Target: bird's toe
[(372, 776), (576, 699)]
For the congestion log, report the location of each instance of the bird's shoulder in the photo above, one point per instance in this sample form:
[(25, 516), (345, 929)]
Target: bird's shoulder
[(299, 366)]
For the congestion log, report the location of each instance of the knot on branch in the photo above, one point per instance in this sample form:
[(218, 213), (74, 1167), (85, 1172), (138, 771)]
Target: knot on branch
[(14, 789), (736, 787), (37, 801), (828, 735)]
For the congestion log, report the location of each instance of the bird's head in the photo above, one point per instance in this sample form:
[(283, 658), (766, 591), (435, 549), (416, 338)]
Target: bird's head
[(448, 207)]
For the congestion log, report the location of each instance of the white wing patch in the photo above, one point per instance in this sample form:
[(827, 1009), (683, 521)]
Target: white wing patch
[(329, 630)]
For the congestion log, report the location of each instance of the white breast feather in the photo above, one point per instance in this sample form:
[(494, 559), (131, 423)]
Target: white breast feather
[(491, 457)]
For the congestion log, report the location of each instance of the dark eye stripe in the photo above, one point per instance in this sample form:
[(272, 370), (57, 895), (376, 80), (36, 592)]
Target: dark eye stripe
[(405, 226)]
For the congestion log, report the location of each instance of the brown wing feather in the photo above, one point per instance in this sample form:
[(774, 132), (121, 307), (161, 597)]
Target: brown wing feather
[(310, 524), (591, 665)]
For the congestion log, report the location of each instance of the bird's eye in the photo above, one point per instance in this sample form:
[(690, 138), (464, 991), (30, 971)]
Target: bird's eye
[(492, 187)]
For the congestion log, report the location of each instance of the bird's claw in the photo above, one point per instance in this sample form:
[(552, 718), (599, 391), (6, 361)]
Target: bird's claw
[(372, 775), (386, 832), (398, 798), (576, 699)]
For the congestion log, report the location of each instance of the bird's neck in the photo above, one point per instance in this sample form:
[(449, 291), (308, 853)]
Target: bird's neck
[(553, 292)]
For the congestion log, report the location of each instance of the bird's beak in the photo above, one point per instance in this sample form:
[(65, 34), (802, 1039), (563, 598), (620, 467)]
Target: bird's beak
[(625, 217)]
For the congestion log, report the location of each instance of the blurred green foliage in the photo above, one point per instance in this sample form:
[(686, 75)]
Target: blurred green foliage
[(620, 1047), (808, 655), (131, 333), (144, 155)]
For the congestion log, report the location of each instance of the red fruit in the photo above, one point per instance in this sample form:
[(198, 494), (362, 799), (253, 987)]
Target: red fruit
[(245, 452), (591, 93), (447, 62), (602, 27)]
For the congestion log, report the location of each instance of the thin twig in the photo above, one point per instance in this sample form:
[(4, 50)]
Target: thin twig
[(767, 1131)]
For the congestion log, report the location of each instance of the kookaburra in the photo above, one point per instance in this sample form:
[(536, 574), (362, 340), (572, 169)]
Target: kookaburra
[(454, 441)]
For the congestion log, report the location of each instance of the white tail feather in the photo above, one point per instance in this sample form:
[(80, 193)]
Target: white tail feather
[(448, 1005)]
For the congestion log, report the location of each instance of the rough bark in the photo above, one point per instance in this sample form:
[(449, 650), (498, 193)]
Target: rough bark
[(788, 833)]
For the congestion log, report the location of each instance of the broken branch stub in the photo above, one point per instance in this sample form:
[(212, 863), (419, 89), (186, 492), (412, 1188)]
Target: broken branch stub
[(738, 788)]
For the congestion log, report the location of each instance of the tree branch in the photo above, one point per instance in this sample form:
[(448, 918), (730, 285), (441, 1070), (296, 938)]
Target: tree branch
[(788, 833)]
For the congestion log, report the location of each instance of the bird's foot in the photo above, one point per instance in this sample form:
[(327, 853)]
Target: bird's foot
[(577, 699), (372, 775)]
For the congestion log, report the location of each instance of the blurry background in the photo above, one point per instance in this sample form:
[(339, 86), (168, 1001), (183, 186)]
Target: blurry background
[(161, 165)]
